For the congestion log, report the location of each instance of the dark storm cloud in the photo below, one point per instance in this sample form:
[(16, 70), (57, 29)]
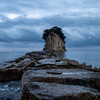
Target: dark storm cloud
[(25, 21), (29, 37)]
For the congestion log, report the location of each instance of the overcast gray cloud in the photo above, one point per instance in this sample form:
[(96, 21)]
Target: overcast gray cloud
[(25, 20)]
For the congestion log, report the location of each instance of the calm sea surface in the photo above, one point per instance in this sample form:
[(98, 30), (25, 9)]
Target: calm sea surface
[(90, 55)]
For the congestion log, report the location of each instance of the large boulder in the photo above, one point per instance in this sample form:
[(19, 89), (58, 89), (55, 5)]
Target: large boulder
[(60, 84), (63, 76), (53, 91), (14, 70)]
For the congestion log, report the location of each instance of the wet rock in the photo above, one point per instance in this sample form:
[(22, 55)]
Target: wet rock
[(96, 69), (57, 61), (14, 71), (21, 65), (41, 60), (44, 60), (10, 74), (61, 63), (47, 67), (63, 76), (25, 63), (53, 91)]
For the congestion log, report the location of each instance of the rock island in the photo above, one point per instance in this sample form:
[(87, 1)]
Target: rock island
[(46, 76)]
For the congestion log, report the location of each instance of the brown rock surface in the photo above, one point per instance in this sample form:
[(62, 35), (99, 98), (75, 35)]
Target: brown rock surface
[(10, 75), (48, 67), (63, 76), (54, 43), (14, 70), (38, 60), (53, 91)]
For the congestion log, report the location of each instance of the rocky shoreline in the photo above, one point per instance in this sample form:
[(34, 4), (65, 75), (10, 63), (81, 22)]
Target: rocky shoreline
[(46, 76)]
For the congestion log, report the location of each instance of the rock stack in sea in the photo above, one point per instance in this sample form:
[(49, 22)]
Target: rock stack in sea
[(54, 39), (45, 76)]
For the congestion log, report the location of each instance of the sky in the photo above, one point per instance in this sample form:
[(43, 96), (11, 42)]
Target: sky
[(22, 22)]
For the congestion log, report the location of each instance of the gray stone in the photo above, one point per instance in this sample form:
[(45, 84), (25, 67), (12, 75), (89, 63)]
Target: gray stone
[(53, 91), (63, 76)]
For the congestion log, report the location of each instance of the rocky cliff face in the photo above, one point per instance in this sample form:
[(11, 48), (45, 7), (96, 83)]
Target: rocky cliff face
[(54, 43)]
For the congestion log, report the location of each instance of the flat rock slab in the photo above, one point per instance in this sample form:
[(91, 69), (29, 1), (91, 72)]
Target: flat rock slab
[(57, 61), (63, 76), (53, 91), (52, 63), (22, 64)]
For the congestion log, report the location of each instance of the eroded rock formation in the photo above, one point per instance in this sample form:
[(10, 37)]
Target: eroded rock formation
[(54, 39)]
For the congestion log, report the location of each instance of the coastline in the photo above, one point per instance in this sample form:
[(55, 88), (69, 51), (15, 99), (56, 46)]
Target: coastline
[(90, 55), (53, 66)]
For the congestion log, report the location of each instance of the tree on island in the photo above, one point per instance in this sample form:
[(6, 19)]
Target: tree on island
[(56, 30)]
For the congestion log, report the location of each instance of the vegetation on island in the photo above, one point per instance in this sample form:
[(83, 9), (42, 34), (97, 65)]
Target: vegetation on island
[(56, 30)]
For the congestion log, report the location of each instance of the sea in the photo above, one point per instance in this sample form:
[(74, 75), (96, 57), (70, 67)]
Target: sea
[(90, 55)]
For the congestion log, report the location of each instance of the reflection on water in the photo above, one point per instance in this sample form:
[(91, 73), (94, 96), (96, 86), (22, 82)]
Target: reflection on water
[(57, 54)]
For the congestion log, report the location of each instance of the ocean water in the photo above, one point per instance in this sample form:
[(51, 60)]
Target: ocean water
[(90, 55), (9, 55)]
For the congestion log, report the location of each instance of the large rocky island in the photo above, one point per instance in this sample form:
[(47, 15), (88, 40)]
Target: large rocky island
[(55, 39), (46, 76)]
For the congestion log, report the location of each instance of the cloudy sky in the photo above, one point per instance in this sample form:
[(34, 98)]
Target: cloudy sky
[(23, 21)]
